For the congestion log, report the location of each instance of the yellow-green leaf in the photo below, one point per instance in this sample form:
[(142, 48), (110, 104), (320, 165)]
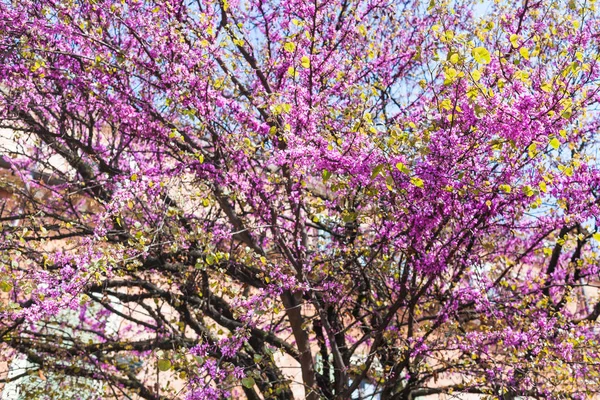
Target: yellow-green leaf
[(546, 87), (481, 55), (248, 382), (418, 182), (522, 75), (164, 365), (505, 188), (5, 286), (291, 72), (402, 168), (555, 143), (596, 236), (305, 62), (568, 171), (543, 187), (289, 47), (524, 53), (450, 74), (532, 150)]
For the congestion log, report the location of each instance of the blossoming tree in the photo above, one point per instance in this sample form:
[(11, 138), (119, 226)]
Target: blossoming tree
[(200, 193)]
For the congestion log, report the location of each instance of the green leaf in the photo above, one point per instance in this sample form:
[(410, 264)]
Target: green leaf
[(257, 358), (389, 182), (326, 175), (248, 382), (164, 365), (349, 217), (481, 55), (376, 171)]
